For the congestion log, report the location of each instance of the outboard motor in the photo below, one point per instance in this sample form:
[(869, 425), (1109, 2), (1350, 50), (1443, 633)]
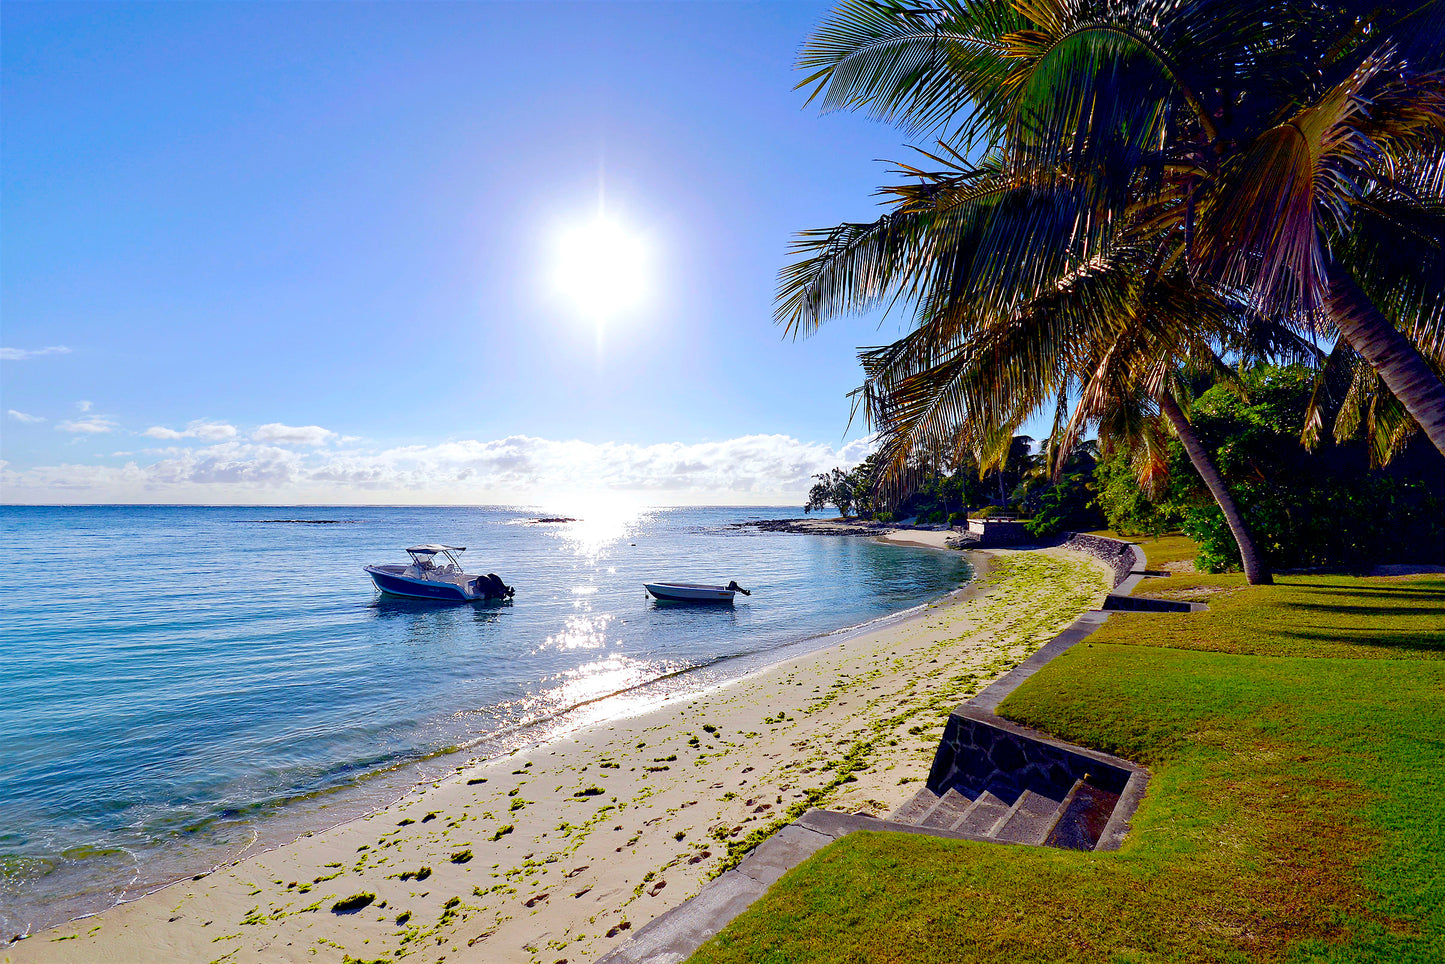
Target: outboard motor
[(734, 587), (495, 588)]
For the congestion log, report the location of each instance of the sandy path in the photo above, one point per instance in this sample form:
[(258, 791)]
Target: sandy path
[(556, 853)]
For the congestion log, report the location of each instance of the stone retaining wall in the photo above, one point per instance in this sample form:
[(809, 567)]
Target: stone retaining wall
[(1118, 554), (978, 754)]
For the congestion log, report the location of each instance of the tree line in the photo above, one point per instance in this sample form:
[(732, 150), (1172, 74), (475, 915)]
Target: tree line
[(1309, 501)]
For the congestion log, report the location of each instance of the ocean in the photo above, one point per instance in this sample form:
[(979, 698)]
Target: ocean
[(186, 685)]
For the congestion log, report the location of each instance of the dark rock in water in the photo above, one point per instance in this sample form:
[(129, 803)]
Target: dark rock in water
[(557, 519), (306, 522), (816, 527)]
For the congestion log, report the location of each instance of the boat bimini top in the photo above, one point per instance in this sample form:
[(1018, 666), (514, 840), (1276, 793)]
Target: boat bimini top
[(424, 557)]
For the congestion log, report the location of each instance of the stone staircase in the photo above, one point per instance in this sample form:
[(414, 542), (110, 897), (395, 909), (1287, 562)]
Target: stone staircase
[(992, 780)]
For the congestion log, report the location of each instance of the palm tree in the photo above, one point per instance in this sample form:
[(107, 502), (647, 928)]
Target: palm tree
[(1004, 329), (1288, 156)]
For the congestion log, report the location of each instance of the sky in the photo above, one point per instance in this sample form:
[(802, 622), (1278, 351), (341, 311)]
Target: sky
[(314, 253)]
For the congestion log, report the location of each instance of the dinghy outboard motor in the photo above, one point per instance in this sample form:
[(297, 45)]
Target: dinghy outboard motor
[(734, 587)]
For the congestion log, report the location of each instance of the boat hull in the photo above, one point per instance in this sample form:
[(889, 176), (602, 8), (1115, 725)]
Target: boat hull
[(688, 593), (396, 584)]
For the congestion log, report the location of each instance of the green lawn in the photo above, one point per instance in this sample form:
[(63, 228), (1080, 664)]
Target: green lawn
[(1159, 550), (1296, 734)]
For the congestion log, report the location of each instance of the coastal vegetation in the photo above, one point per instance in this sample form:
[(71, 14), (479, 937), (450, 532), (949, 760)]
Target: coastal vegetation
[(1325, 504), (1108, 214), (1368, 492), (1290, 731)]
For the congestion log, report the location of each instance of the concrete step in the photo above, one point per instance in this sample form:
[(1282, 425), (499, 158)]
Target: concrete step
[(1030, 819), (981, 817), (916, 808), (1082, 821), (1064, 806), (949, 810)]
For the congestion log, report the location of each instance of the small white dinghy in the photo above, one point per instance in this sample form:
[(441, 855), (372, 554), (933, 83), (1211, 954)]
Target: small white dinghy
[(691, 592)]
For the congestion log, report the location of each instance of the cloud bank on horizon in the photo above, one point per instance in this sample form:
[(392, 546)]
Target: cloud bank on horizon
[(24, 354), (312, 465)]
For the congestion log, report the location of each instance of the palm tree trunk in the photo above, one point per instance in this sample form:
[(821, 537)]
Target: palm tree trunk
[(1254, 568), (1390, 353)]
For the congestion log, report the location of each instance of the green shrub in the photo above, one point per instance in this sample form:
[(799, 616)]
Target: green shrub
[(1305, 508)]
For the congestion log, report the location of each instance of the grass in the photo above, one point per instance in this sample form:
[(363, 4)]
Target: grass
[(1296, 735), (1159, 550)]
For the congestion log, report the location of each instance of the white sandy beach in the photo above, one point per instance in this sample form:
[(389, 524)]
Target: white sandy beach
[(558, 853)]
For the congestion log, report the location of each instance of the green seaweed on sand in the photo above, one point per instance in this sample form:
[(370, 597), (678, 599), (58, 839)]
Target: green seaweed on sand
[(352, 904)]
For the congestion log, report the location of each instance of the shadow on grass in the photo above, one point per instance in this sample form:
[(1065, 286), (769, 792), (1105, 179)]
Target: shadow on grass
[(1374, 638), (1404, 592), (1359, 610)]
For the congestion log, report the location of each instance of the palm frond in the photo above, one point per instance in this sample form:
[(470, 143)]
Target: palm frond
[(915, 65)]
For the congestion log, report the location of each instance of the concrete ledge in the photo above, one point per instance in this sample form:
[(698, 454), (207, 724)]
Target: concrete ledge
[(1117, 828), (837, 824), (1143, 604), (676, 934), (1000, 688), (782, 852)]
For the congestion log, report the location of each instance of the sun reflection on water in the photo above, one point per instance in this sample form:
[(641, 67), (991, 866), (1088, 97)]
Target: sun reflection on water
[(581, 632), (602, 522), (600, 678)]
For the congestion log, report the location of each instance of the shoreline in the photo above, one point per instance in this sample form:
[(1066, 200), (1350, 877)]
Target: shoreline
[(285, 821), (525, 865), (83, 881)]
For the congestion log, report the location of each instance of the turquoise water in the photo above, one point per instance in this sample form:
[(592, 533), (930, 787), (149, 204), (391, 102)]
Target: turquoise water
[(185, 684)]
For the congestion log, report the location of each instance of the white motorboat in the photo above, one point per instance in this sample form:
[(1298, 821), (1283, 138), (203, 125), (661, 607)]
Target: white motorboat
[(691, 592), (429, 577)]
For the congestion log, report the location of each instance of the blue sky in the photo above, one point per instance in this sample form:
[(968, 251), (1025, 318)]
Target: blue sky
[(305, 252)]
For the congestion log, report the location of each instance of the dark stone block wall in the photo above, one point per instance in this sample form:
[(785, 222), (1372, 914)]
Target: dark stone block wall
[(1122, 556), (975, 756)]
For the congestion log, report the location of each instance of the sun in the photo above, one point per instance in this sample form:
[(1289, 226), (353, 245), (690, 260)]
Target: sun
[(602, 267)]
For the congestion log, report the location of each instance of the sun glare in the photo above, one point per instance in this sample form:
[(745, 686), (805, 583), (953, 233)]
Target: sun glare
[(602, 268)]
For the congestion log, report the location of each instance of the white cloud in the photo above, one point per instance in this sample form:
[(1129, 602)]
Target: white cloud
[(200, 428), (89, 425), (751, 469), (23, 417), (278, 434), (85, 406), (21, 354)]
